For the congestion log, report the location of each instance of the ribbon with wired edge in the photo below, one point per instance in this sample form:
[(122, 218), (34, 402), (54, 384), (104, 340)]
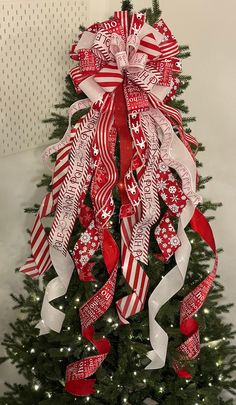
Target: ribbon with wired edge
[(128, 71)]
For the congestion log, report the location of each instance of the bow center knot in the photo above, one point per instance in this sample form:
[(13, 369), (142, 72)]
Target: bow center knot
[(127, 55)]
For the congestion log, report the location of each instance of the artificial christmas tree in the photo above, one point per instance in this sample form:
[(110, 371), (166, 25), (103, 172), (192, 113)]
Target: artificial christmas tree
[(122, 378)]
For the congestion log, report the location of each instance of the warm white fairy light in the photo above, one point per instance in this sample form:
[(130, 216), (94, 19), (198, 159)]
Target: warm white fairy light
[(61, 307), (69, 349), (206, 311), (98, 391), (172, 325), (79, 337), (68, 328), (32, 351), (144, 381), (206, 339), (187, 381), (49, 394), (135, 372), (88, 399), (37, 298), (89, 349), (161, 389), (125, 400), (36, 387), (210, 384), (77, 300), (110, 320), (61, 349), (75, 307), (220, 377), (66, 297)]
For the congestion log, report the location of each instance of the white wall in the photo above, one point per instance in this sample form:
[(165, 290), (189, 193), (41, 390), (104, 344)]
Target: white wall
[(208, 27)]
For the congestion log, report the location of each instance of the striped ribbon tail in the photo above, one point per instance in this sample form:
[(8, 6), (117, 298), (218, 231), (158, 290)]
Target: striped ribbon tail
[(40, 260), (133, 273), (149, 193)]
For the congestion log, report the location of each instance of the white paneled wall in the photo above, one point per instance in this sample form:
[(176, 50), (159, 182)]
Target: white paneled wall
[(35, 37)]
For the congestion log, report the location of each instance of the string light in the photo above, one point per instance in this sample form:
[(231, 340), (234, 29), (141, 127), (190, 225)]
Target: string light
[(37, 298), (75, 307), (77, 300), (88, 399), (36, 387), (68, 328), (125, 400), (49, 394), (210, 384), (171, 325), (110, 320), (161, 389), (79, 338), (220, 377), (60, 307), (144, 381), (206, 311), (95, 285), (206, 339), (69, 349), (61, 349), (32, 351), (135, 372)]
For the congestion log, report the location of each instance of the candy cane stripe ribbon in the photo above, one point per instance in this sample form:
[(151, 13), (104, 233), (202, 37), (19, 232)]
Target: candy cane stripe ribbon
[(127, 70)]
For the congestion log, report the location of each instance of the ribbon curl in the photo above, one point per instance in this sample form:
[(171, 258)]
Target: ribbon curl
[(128, 71)]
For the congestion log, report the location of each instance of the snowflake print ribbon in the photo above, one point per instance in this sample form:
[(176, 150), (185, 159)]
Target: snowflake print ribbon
[(128, 71)]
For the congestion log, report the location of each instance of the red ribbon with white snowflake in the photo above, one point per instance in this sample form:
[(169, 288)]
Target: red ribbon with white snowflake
[(128, 71)]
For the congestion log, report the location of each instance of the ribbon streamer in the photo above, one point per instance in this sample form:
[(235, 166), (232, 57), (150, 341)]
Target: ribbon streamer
[(128, 72)]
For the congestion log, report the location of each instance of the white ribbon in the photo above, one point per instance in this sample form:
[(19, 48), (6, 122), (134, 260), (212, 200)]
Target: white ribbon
[(75, 107), (52, 318), (174, 280)]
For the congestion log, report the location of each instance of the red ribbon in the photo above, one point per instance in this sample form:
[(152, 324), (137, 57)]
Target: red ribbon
[(190, 349)]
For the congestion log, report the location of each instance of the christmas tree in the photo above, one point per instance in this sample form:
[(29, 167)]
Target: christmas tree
[(122, 378)]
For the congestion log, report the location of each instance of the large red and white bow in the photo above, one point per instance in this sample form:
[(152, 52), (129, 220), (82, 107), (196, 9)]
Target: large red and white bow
[(127, 69)]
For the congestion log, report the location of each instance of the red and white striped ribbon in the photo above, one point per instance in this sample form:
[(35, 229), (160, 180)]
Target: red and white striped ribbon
[(149, 193), (132, 271), (40, 260)]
